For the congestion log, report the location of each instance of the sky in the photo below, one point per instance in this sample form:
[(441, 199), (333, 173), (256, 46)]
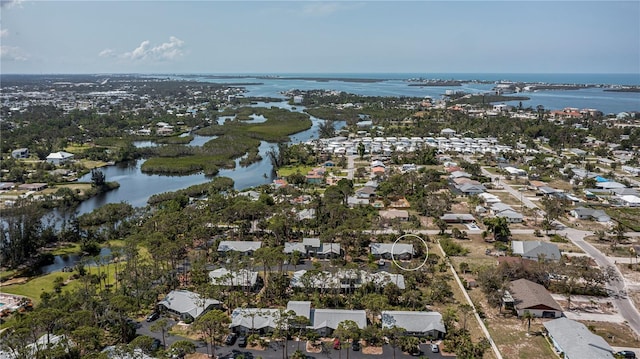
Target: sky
[(44, 37)]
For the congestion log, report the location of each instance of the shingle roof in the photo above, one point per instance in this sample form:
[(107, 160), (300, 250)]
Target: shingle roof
[(417, 322), (533, 249), (528, 294), (386, 248), (577, 341)]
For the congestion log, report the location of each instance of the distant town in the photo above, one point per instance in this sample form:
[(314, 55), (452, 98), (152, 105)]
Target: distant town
[(314, 223)]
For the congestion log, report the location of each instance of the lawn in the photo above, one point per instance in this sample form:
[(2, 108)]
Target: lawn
[(289, 170), (36, 286)]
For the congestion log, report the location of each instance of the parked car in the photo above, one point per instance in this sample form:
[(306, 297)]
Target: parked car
[(155, 345), (626, 354), (336, 344), (242, 341), (355, 346), (231, 339), (435, 348), (153, 316)]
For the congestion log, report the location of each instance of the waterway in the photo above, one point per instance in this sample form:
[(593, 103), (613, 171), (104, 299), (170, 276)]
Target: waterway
[(136, 187)]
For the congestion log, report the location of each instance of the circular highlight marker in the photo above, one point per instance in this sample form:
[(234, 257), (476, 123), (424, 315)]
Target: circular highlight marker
[(426, 253)]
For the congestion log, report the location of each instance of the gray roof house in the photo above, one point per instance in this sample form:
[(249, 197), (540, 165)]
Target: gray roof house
[(526, 296), (244, 247), (240, 278), (589, 213), (329, 250), (458, 218), (503, 210), (427, 324), (471, 189), (385, 250), (535, 250), (291, 247), (262, 320), (325, 321), (575, 341), (188, 305)]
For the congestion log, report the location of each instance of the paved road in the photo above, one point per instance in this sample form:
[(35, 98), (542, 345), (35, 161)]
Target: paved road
[(350, 166), (617, 287)]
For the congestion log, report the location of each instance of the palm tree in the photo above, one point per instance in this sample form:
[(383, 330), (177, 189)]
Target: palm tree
[(528, 317)]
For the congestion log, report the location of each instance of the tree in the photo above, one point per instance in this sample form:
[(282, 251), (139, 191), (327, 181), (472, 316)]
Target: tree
[(465, 309), (394, 336), (213, 325), (499, 227), (161, 325), (528, 317), (361, 150), (98, 178), (347, 330)]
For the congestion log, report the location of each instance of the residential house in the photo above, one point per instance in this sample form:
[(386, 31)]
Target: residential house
[(573, 340), (536, 250), (188, 305), (365, 192), (503, 210), (325, 321), (5, 186), (402, 251), (329, 250), (392, 214), (469, 189), (515, 171), (250, 320), (630, 200), (20, 153), (32, 186), (244, 247), (344, 280), (458, 218), (419, 324), (526, 296), (589, 213), (299, 247), (241, 278), (58, 158)]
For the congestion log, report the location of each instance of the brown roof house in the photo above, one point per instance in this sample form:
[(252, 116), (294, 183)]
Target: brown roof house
[(526, 296)]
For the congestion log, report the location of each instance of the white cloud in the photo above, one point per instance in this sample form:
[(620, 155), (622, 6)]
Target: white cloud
[(165, 51), (12, 53), (107, 53), (4, 33), (10, 3)]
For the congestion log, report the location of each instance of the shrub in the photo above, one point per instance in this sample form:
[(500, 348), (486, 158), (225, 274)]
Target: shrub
[(453, 249)]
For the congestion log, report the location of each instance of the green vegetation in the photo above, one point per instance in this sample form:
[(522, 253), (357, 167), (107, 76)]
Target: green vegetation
[(452, 248), (628, 217), (174, 140)]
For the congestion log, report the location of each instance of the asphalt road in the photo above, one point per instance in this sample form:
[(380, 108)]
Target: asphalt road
[(617, 287)]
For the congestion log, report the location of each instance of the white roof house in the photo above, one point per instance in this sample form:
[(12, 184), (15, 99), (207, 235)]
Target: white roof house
[(59, 157), (415, 323), (239, 246), (239, 278), (186, 303), (576, 341)]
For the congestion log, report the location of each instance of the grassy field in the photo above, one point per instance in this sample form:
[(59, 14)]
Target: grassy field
[(289, 170), (627, 216), (619, 335), (34, 287)]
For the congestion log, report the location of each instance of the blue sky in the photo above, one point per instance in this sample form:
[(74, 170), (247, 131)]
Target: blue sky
[(319, 37)]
